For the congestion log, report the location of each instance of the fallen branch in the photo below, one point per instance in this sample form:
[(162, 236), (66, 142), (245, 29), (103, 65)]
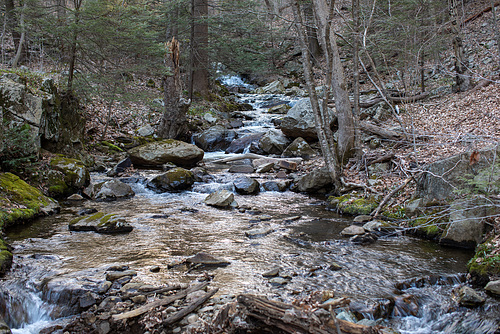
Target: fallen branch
[(397, 99), (390, 195), (256, 156), (190, 308), (157, 303), (160, 290), (480, 13), (379, 131)]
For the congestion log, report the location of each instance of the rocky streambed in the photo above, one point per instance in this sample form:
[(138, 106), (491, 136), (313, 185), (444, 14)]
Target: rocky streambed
[(257, 240)]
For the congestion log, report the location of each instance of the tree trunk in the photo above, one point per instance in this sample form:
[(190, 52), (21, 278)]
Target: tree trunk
[(462, 75), (355, 17), (74, 43), (199, 44), (312, 36), (173, 124), (346, 132), (495, 26), (12, 22), (322, 128), (20, 47)]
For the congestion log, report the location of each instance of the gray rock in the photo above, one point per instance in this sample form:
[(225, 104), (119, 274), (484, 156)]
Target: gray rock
[(265, 168), (299, 121), (240, 144), (146, 130), (272, 273), (173, 180), (114, 275), (244, 169), (207, 260), (246, 186), (259, 232), (101, 223), (469, 297), (276, 185), (280, 109), (160, 152), (279, 281), (222, 198), (317, 179), (362, 219), (209, 118), (4, 328), (299, 148), (275, 87), (113, 190), (215, 138), (352, 230), (120, 167), (493, 287), (274, 142)]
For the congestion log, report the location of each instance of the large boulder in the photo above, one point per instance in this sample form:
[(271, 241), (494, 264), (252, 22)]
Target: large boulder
[(20, 201), (101, 223), (241, 144), (173, 180), (67, 177), (299, 121), (317, 179), (158, 153), (215, 138), (467, 172), (275, 87), (274, 142)]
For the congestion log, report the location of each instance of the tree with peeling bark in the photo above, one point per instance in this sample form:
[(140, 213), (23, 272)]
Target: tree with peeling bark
[(173, 123)]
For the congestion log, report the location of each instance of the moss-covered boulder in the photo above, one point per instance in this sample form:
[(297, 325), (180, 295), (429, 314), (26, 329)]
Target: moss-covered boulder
[(158, 153), (175, 179), (67, 177), (486, 261), (20, 201), (101, 223), (353, 204)]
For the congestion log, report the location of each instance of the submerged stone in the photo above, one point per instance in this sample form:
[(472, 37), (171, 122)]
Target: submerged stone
[(206, 260), (101, 223)]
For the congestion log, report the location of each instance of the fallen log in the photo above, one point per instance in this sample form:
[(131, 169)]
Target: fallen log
[(256, 156), (379, 131), (157, 303), (190, 308), (292, 319), (478, 14)]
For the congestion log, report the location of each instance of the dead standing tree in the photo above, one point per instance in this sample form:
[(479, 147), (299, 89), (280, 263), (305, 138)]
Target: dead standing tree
[(173, 123)]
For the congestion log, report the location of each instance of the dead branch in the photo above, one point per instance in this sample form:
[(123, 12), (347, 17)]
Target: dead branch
[(190, 308), (480, 13), (160, 302), (397, 99), (379, 131)]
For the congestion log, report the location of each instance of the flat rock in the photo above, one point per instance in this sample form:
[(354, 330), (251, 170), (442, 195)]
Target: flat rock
[(493, 287), (101, 223), (114, 275), (222, 198), (207, 260), (247, 169), (352, 231), (259, 232), (469, 297), (272, 273)]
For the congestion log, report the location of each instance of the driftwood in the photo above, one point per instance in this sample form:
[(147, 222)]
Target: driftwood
[(190, 308), (379, 131), (152, 292), (256, 156), (157, 303), (292, 319)]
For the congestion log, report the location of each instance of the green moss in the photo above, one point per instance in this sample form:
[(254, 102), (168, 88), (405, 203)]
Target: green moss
[(105, 219), (19, 200), (352, 205), (111, 146), (5, 261), (396, 212), (95, 216), (486, 262), (429, 227)]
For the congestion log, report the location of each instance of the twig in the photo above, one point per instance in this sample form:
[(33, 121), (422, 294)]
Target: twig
[(389, 195)]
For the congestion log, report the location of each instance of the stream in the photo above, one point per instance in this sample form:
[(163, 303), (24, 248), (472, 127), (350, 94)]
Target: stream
[(304, 241)]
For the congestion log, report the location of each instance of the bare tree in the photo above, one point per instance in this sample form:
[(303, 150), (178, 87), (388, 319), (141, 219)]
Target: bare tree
[(462, 75), (199, 44)]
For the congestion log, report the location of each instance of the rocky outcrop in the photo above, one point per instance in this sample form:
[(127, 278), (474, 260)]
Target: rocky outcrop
[(274, 142), (101, 223), (299, 121), (158, 153), (216, 138), (467, 172), (67, 177), (175, 179), (54, 118)]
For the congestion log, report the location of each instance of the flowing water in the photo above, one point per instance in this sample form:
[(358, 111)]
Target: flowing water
[(305, 242)]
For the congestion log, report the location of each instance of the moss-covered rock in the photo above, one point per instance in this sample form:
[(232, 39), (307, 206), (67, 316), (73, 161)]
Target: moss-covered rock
[(20, 201), (429, 226), (486, 261), (173, 180), (70, 176), (353, 204), (5, 257), (101, 223)]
